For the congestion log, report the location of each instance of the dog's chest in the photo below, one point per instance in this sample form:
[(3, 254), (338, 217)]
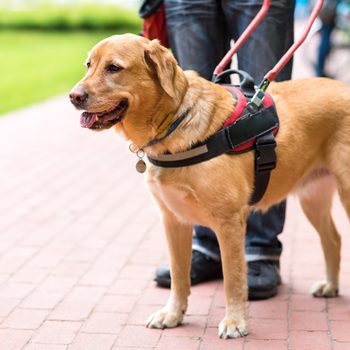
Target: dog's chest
[(180, 200)]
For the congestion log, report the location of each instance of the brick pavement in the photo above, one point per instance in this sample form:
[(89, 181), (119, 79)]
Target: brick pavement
[(80, 240)]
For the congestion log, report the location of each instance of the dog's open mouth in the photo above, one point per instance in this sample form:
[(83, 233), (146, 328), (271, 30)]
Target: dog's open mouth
[(105, 119)]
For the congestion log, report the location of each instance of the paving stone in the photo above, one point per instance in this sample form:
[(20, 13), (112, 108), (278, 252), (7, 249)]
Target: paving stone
[(25, 319), (57, 332), (14, 339), (85, 341)]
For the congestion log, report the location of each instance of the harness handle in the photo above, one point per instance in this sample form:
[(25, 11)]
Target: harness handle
[(246, 83)]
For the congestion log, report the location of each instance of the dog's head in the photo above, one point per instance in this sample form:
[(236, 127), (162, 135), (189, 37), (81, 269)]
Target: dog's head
[(129, 80)]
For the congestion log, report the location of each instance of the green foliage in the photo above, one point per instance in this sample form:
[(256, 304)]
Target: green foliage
[(74, 17), (43, 47), (36, 65)]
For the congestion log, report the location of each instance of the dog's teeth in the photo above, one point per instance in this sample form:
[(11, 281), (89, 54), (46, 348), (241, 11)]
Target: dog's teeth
[(96, 118)]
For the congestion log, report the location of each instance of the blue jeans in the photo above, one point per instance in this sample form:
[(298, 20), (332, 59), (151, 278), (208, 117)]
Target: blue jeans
[(199, 35), (324, 48)]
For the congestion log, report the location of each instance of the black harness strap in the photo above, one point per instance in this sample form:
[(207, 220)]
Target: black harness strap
[(265, 162), (222, 141)]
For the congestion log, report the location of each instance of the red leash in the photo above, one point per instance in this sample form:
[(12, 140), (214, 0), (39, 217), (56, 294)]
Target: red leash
[(271, 75)]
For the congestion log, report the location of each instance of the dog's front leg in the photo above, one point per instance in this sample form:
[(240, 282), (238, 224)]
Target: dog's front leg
[(179, 239), (231, 234)]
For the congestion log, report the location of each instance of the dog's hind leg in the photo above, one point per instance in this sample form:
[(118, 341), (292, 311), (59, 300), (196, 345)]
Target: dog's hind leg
[(316, 201), (342, 174), (179, 239), (343, 178)]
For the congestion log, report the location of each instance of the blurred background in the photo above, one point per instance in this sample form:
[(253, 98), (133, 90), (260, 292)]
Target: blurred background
[(326, 51), (44, 43)]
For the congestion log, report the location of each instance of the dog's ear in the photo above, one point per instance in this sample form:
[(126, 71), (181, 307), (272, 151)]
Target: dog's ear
[(163, 63)]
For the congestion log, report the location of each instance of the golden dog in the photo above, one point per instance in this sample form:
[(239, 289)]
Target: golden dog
[(135, 85)]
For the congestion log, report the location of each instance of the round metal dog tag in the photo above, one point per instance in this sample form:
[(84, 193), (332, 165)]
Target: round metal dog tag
[(141, 166)]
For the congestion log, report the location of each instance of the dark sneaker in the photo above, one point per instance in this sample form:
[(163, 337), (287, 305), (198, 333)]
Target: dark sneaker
[(263, 278), (203, 268)]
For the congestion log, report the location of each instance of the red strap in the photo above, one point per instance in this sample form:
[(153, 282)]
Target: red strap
[(241, 104), (267, 101)]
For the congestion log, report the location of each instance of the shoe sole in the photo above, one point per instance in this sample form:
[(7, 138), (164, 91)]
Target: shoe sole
[(164, 283), (262, 294)]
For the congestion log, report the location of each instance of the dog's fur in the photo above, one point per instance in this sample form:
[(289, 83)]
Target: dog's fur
[(313, 157)]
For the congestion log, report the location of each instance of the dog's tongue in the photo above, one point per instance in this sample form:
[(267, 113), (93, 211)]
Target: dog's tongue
[(87, 119)]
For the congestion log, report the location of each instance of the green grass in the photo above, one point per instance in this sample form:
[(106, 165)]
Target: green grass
[(47, 16), (36, 65)]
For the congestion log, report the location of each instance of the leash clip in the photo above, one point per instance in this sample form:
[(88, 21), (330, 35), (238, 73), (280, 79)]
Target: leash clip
[(257, 99)]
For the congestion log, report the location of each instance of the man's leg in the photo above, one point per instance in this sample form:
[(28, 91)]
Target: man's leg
[(258, 55), (263, 250), (197, 34)]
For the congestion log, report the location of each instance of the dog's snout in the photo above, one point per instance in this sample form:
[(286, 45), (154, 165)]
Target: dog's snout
[(78, 96)]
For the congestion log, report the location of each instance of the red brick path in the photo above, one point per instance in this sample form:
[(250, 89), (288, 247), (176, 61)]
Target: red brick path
[(80, 240)]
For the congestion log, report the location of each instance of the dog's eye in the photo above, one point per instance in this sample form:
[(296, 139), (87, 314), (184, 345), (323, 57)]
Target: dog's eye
[(88, 64), (112, 68)]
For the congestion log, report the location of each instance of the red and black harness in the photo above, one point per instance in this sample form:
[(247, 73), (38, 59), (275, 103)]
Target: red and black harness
[(248, 128), (255, 125)]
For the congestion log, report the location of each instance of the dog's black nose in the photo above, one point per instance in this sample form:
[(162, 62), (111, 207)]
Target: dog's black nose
[(78, 96)]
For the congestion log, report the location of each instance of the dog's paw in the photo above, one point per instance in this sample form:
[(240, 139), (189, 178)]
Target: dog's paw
[(324, 289), (164, 319), (229, 328)]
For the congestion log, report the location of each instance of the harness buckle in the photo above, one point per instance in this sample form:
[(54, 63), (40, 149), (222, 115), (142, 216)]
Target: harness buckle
[(265, 156)]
